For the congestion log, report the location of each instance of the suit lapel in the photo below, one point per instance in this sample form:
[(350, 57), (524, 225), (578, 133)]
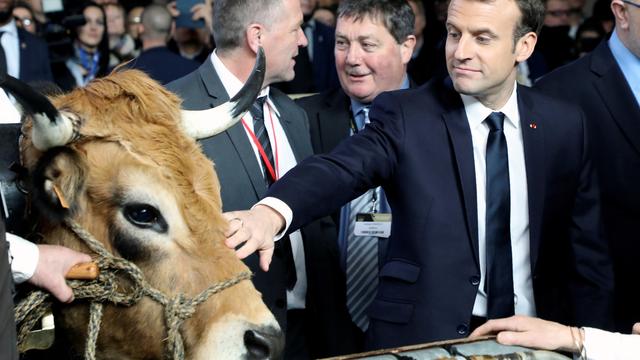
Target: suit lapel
[(334, 120), (616, 94), (291, 127), (455, 120), (236, 134), (533, 127)]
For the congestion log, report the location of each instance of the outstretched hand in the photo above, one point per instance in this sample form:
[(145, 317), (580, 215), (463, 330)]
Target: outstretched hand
[(254, 230), (53, 264), (529, 332)]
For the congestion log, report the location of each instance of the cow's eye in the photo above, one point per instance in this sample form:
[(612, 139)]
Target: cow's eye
[(145, 216)]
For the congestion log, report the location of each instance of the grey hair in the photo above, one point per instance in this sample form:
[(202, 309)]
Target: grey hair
[(232, 17), (396, 15)]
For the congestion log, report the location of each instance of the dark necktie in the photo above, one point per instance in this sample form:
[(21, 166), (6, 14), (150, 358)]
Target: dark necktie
[(260, 131), (257, 112), (499, 273), (3, 57)]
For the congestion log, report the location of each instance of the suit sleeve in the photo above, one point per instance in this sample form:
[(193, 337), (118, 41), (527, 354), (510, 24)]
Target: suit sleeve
[(322, 183), (592, 285)]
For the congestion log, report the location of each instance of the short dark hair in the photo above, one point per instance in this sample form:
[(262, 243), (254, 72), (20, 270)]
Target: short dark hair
[(396, 15), (532, 17), (231, 18)]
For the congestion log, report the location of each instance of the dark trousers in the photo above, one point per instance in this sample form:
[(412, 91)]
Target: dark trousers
[(8, 348)]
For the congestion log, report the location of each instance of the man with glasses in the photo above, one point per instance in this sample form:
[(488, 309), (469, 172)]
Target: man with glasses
[(606, 84), (22, 55)]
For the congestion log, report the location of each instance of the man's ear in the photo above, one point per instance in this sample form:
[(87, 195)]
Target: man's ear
[(254, 36), (621, 14), (58, 182), (525, 46), (406, 49)]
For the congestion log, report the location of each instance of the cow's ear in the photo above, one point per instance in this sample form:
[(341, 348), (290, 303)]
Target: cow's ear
[(58, 181)]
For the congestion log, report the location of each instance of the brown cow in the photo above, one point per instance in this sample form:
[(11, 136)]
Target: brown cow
[(118, 154)]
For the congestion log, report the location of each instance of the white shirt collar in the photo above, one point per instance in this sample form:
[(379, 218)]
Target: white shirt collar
[(10, 29), (232, 84), (477, 112)]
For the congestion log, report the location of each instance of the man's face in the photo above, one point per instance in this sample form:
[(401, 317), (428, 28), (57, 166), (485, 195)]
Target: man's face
[(308, 6), (633, 23), (6, 10), (281, 40), (368, 58), (115, 20), (481, 57), (557, 13)]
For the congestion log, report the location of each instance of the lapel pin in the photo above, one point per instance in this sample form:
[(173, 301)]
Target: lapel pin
[(533, 125)]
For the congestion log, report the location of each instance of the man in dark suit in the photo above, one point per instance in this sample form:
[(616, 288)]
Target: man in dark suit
[(495, 205), (156, 59), (25, 56), (311, 290), (336, 114), (8, 342), (606, 85)]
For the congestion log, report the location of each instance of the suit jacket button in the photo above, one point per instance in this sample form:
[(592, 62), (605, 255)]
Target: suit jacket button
[(463, 329), (280, 303), (474, 280)]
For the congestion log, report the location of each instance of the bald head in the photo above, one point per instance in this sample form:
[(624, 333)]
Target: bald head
[(156, 23)]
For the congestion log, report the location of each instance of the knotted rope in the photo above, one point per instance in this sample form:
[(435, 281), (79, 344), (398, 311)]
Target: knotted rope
[(121, 283)]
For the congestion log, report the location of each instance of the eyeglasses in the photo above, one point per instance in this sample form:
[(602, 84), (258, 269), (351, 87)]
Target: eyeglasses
[(23, 21), (631, 3)]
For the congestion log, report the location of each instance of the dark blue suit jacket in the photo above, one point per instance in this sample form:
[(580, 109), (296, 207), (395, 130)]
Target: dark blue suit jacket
[(418, 148), (34, 58), (163, 65), (596, 83)]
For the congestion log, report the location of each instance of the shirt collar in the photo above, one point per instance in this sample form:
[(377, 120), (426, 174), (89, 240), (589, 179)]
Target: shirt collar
[(628, 62), (356, 106), (10, 28), (233, 85), (477, 112)]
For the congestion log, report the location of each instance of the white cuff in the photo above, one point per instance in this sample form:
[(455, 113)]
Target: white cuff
[(601, 344), (280, 207), (25, 256)]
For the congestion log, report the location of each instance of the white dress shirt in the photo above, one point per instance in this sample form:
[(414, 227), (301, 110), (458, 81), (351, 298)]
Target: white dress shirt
[(8, 112), (604, 345), (11, 45), (519, 226), (286, 161), (23, 256)]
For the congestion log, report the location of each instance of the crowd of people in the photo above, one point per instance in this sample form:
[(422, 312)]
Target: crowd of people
[(459, 167)]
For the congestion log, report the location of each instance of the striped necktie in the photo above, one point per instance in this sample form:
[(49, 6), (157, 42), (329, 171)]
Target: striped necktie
[(362, 253), (260, 131)]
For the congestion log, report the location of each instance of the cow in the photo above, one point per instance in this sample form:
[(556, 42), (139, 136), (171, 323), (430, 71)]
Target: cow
[(120, 159)]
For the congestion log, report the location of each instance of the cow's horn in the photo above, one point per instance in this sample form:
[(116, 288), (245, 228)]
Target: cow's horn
[(206, 123), (50, 127)]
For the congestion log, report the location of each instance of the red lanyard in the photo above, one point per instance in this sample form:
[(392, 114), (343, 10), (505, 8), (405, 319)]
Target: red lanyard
[(274, 174)]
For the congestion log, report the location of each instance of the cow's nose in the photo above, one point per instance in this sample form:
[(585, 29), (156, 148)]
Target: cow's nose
[(264, 343)]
